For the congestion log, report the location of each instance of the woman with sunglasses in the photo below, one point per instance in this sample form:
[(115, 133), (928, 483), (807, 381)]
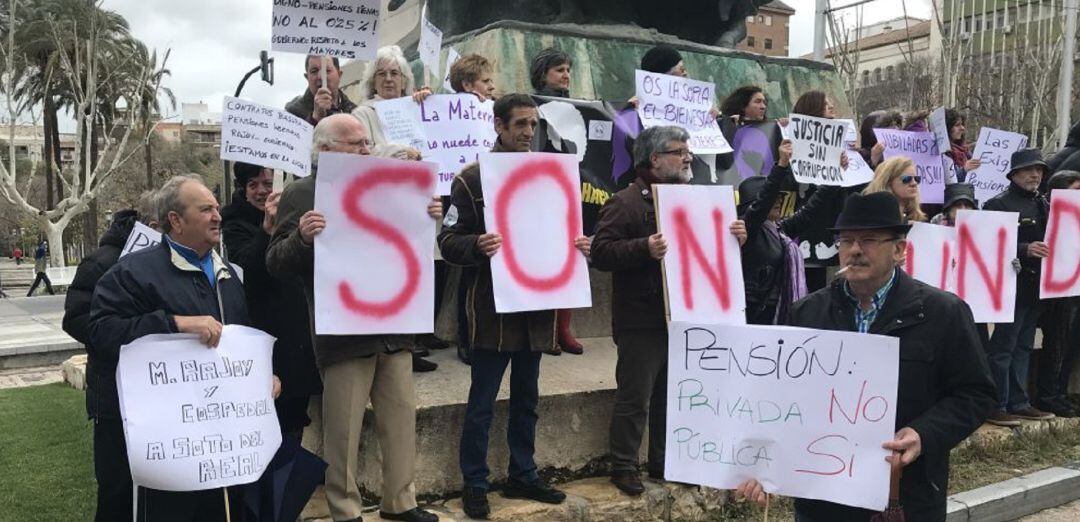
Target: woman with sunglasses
[(898, 175)]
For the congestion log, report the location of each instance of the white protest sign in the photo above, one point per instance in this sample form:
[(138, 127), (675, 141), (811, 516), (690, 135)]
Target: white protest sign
[(921, 148), (459, 127), (804, 412), (857, 168), (141, 237), (817, 144), (343, 28), (672, 100), (430, 43), (1061, 269), (452, 57), (198, 418), (931, 255), (851, 132), (994, 149), (265, 136), (985, 279), (533, 200), (703, 264), (400, 118), (940, 129), (374, 264)]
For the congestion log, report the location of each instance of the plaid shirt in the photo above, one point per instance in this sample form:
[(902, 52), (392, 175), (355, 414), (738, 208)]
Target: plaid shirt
[(863, 320)]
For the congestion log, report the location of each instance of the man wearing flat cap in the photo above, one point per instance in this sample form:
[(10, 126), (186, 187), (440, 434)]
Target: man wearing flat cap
[(1009, 349), (944, 391)]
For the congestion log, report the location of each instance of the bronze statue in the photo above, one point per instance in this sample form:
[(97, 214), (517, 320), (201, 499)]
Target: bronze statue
[(713, 22)]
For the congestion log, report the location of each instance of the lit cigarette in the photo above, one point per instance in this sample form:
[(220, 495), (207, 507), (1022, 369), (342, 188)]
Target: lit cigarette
[(842, 270)]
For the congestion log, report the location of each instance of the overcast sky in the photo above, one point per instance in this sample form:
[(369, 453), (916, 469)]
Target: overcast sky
[(214, 42)]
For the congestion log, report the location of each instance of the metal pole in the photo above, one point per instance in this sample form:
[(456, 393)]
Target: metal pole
[(1064, 99), (820, 12)]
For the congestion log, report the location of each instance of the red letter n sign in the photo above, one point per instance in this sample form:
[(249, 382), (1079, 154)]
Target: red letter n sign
[(985, 278), (703, 265), (374, 261), (1061, 269), (533, 200)]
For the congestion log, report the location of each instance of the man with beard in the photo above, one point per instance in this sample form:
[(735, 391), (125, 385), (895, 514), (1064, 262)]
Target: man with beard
[(627, 244)]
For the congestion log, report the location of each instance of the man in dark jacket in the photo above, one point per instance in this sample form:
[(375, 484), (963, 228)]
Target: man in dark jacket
[(944, 391), (276, 306), (627, 244), (1068, 158), (1009, 349), (41, 261), (355, 368), (498, 340), (320, 101), (178, 286), (102, 404)]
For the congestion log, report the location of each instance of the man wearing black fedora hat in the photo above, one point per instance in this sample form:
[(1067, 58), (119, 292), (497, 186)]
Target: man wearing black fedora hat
[(944, 391), (1009, 349)]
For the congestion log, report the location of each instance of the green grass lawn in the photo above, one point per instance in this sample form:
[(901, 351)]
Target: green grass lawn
[(46, 455)]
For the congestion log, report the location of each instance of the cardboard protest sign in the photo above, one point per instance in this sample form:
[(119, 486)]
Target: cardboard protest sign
[(1061, 269), (994, 149), (857, 166), (932, 255), (452, 57), (400, 118), (430, 45), (533, 200), (921, 148), (344, 28), (703, 264), (802, 411), (198, 418), (374, 261), (817, 144), (985, 279), (672, 100), (940, 128), (265, 136), (141, 237)]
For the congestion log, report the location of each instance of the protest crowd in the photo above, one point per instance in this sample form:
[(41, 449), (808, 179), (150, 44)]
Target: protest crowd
[(254, 261)]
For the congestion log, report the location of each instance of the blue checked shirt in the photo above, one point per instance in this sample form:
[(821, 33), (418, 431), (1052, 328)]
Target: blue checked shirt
[(863, 320)]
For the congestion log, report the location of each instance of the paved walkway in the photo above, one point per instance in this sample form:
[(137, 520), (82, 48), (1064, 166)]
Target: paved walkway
[(1070, 511), (33, 324)]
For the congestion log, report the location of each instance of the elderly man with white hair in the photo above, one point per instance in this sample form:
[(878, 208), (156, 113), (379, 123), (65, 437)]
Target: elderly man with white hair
[(356, 369)]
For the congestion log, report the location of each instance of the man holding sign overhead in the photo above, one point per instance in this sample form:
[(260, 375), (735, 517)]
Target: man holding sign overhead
[(945, 391), (499, 339), (627, 244)]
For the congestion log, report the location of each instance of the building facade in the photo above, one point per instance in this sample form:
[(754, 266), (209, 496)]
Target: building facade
[(768, 32)]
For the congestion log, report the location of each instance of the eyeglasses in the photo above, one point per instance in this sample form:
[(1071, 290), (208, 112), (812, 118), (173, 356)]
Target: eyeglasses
[(685, 153), (845, 243), (907, 179), (363, 144), (392, 73)]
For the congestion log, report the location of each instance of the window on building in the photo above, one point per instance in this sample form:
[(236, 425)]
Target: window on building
[(768, 43), (978, 25), (760, 19), (750, 19), (889, 73), (749, 41), (877, 75), (1001, 18), (946, 27), (966, 25), (768, 20), (865, 78)]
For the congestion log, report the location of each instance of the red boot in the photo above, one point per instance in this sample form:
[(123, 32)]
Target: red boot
[(566, 339)]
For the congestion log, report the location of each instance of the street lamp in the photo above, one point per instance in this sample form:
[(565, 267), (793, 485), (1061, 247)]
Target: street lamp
[(266, 70)]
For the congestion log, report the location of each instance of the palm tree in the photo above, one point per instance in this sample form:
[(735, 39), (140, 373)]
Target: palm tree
[(149, 106)]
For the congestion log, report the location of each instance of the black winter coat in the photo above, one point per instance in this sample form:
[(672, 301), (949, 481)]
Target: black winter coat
[(945, 392), (1034, 212), (1067, 158), (277, 306), (143, 292), (101, 398)]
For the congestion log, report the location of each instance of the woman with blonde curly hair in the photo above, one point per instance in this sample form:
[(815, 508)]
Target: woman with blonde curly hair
[(898, 175)]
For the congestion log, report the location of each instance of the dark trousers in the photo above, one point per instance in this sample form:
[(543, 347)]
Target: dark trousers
[(292, 415), (41, 276), (190, 506), (1061, 347), (1009, 355), (112, 472), (488, 368), (640, 395)]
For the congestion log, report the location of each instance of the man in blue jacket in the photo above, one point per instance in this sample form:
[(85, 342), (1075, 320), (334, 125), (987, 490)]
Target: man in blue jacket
[(178, 286)]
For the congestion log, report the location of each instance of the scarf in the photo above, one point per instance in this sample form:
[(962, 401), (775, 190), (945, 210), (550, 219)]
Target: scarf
[(793, 282), (960, 154)]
